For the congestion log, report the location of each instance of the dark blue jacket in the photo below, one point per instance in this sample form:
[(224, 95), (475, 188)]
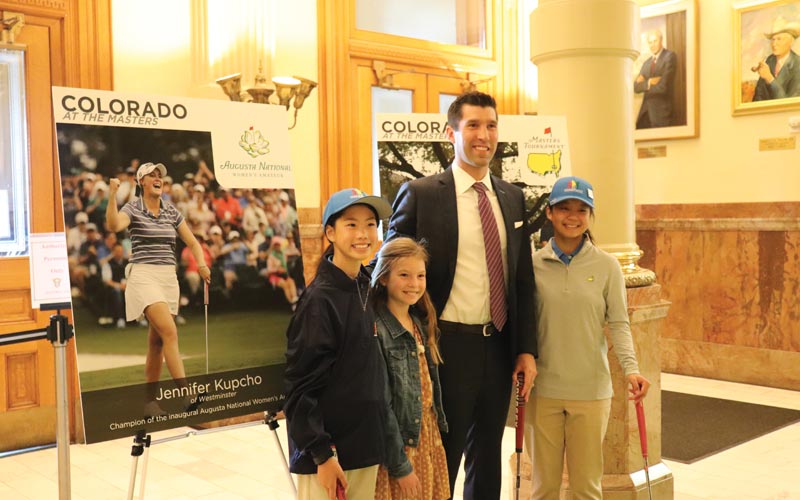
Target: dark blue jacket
[(335, 375), (403, 389)]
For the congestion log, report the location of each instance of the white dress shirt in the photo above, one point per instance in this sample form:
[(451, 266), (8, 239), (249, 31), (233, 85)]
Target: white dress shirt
[(469, 296)]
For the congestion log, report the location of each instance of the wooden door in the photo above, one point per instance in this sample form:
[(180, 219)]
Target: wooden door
[(418, 91), (50, 37)]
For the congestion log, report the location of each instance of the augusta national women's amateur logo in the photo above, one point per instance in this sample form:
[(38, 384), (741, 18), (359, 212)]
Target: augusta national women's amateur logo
[(254, 143)]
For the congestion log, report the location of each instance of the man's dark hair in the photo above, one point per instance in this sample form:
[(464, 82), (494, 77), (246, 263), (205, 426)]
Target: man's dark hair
[(473, 99)]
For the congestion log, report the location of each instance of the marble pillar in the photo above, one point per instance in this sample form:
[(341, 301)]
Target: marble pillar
[(584, 51)]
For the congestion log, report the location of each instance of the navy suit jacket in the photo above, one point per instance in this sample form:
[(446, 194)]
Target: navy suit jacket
[(786, 84), (426, 209), (657, 102)]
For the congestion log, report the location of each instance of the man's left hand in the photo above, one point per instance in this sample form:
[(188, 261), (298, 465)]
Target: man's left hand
[(526, 364)]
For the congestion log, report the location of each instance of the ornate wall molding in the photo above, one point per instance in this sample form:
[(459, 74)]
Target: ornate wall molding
[(724, 224)]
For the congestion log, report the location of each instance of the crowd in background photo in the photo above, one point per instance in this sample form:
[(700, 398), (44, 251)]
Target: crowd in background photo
[(250, 241)]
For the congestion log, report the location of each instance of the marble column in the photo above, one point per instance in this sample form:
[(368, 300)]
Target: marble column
[(584, 51)]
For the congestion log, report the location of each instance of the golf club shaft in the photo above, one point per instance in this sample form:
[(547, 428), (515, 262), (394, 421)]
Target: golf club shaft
[(643, 440), (205, 305), (520, 426)]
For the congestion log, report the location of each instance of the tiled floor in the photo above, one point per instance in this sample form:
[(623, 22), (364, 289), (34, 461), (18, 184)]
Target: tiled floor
[(244, 463)]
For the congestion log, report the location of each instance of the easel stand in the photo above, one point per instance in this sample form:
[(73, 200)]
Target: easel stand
[(142, 442), (58, 333)]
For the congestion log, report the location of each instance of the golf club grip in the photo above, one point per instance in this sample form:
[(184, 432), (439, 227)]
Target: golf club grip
[(205, 292), (520, 423), (340, 494), (642, 427)]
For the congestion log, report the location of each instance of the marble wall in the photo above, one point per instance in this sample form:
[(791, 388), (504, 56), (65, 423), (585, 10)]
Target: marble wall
[(732, 273)]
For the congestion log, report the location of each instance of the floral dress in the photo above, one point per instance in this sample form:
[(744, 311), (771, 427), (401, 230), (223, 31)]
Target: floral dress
[(428, 458)]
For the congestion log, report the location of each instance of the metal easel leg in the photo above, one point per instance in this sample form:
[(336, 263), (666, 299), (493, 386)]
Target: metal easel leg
[(141, 441), (271, 419)]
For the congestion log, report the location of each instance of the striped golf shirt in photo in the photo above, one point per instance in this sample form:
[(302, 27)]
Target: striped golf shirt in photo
[(152, 238)]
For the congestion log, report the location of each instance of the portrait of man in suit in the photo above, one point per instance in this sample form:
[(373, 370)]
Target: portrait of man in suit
[(779, 73), (656, 82)]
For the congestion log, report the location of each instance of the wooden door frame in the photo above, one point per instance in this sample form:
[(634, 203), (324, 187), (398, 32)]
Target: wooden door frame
[(79, 38), (340, 42)]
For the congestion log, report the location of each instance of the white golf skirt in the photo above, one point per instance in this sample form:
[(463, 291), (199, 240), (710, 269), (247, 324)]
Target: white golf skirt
[(148, 284)]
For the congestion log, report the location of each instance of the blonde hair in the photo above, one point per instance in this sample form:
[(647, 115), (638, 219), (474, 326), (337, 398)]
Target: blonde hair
[(389, 254)]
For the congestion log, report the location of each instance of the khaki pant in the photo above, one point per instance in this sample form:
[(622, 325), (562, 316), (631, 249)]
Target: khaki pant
[(361, 485), (553, 425)]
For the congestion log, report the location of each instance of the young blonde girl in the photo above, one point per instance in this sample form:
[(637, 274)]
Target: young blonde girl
[(416, 465)]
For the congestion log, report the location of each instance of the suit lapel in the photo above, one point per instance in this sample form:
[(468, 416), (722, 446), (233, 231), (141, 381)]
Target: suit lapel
[(506, 207), (505, 202), (447, 203)]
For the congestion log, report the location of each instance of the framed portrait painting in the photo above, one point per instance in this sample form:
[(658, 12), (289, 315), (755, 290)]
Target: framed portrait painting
[(664, 76), (766, 56)]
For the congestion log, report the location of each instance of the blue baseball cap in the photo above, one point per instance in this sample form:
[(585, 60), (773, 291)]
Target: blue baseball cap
[(345, 198), (572, 188)]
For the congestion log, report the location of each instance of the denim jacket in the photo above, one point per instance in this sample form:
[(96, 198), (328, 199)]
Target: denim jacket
[(403, 389)]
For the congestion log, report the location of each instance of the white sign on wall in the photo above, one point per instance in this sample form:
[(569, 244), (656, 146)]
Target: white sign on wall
[(49, 269)]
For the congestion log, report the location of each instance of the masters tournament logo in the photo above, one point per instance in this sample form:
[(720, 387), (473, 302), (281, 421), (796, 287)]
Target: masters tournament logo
[(547, 161), (254, 143), (357, 193), (572, 186)]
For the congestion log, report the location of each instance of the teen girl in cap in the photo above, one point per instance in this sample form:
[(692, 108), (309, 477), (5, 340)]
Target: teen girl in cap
[(152, 287), (579, 289), (335, 374)]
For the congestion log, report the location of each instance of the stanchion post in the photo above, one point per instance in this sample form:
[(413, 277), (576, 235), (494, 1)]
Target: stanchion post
[(58, 333)]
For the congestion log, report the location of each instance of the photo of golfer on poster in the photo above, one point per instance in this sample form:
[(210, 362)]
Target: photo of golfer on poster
[(152, 290), (185, 262)]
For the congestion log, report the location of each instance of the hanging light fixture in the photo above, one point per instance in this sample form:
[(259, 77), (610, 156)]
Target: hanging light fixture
[(289, 90)]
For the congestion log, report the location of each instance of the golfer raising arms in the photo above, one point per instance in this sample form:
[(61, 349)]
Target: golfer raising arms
[(152, 286)]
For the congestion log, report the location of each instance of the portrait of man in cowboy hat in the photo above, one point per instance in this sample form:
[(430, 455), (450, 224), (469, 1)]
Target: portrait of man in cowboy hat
[(779, 73)]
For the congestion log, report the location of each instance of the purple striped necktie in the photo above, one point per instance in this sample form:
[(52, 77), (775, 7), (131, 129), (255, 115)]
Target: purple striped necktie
[(494, 259)]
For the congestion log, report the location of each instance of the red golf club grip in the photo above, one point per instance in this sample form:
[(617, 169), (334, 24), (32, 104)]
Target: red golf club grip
[(205, 292), (340, 494), (642, 427), (520, 423)]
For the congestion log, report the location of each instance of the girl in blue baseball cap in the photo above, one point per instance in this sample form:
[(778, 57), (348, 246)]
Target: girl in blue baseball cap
[(579, 290), (335, 373)]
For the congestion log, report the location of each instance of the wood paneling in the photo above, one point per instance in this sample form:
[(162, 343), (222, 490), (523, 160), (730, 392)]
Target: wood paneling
[(22, 380)]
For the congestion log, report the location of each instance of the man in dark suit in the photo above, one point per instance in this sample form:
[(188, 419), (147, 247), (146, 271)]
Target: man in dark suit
[(655, 81), (779, 75), (468, 216)]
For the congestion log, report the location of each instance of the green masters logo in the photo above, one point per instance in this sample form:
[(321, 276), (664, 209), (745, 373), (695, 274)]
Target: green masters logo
[(254, 143)]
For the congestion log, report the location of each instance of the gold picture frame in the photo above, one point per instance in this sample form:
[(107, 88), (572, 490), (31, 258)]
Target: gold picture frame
[(755, 25), (668, 109)]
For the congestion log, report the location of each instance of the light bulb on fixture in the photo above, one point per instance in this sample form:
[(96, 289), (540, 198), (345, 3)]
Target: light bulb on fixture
[(286, 89)]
